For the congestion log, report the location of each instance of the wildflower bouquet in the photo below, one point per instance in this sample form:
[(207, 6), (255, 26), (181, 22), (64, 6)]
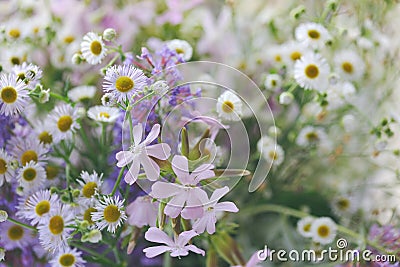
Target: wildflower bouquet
[(199, 133)]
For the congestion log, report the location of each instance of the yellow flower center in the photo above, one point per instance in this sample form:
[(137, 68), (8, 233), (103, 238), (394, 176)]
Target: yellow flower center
[(307, 227), (14, 33), (88, 215), (69, 39), (313, 34), (3, 166), (312, 136), (278, 58), (104, 115), (29, 174), (96, 48), (9, 95), (311, 71), (67, 260), (111, 213), (51, 172), (347, 67), (64, 123), (323, 231), (295, 55), (179, 50), (227, 106), (56, 225), (343, 204), (15, 232), (89, 189), (15, 60), (42, 207), (124, 84), (273, 155), (29, 155), (45, 137)]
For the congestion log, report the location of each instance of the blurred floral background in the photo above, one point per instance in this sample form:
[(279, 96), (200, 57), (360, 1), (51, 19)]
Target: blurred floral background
[(106, 151)]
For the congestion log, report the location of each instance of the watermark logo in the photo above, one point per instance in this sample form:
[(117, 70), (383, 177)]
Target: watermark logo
[(330, 254)]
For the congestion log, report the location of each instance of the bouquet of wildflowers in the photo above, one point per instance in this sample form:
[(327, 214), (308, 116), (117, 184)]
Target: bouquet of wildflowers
[(199, 133)]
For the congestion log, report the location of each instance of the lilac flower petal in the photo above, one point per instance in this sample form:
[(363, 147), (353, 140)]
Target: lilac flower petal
[(133, 173), (184, 237), (212, 220), (191, 213), (175, 205), (160, 151), (124, 158), (203, 175), (201, 224), (137, 133), (152, 252), (156, 235), (195, 249), (179, 252), (155, 131), (218, 194), (253, 261), (151, 168), (180, 166), (165, 190), (226, 206)]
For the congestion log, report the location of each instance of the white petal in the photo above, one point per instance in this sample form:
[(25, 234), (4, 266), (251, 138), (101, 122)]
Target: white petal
[(195, 249), (164, 190), (156, 235), (153, 134), (218, 194), (180, 166), (151, 168), (137, 133), (184, 237), (226, 206), (133, 173), (124, 158), (160, 151), (151, 252)]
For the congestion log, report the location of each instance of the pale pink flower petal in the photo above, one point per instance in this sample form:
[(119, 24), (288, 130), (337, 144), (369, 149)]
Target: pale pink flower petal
[(175, 205), (165, 190), (156, 235), (137, 133), (226, 206), (153, 134), (184, 237), (151, 252), (218, 194), (195, 249), (124, 158), (133, 173), (160, 151), (180, 166), (151, 168)]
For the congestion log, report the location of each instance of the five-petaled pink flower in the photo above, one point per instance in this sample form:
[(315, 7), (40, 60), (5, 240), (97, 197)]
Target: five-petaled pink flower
[(188, 191), (178, 247), (140, 153), (209, 218)]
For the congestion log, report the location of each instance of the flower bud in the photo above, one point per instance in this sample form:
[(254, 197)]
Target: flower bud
[(44, 96), (95, 236), (3, 216), (77, 59), (2, 254), (109, 34), (286, 98)]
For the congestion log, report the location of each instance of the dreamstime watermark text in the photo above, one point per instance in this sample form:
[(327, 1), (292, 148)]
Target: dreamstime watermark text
[(338, 254)]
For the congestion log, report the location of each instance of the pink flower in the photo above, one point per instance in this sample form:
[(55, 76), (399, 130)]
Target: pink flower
[(139, 154), (178, 247), (176, 8), (186, 192), (142, 211), (209, 218)]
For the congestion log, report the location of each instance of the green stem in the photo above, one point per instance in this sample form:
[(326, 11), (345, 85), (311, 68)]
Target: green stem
[(167, 261), (94, 253), (60, 97), (22, 224), (121, 172), (300, 214), (104, 134)]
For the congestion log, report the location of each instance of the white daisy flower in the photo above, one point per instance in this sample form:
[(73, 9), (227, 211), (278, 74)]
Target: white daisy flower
[(13, 96), (264, 142), (310, 135), (28, 149), (68, 257), (6, 172), (108, 100), (339, 94), (312, 34), (293, 51), (182, 48), (36, 207), (91, 184), (86, 213), (53, 232), (343, 205), (63, 122), (82, 93), (109, 213), (93, 48), (31, 177), (349, 65), (311, 72), (42, 132), (273, 154), (304, 226), (323, 230), (30, 74), (273, 82), (229, 106), (15, 236), (103, 114), (124, 82)]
